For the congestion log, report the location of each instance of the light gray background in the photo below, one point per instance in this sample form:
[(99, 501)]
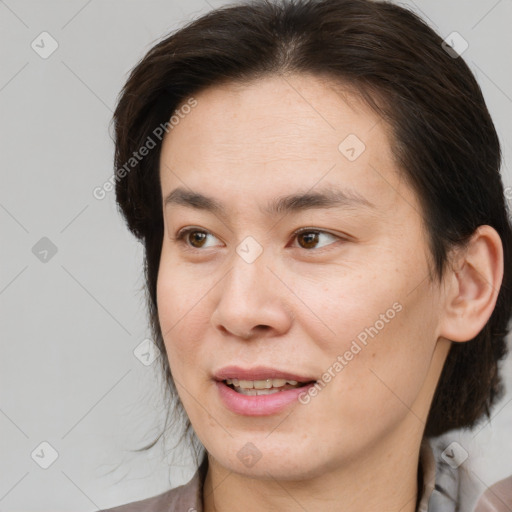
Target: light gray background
[(69, 326)]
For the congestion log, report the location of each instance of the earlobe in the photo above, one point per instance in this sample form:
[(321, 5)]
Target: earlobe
[(472, 285)]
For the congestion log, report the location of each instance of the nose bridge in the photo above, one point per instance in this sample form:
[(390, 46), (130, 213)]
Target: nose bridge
[(247, 283), (249, 296)]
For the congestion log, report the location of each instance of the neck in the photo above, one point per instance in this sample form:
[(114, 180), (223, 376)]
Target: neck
[(360, 485)]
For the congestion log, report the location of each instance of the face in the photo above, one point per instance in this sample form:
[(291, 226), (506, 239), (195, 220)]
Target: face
[(346, 302)]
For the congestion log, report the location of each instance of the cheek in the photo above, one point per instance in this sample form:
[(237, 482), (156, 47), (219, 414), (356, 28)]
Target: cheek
[(385, 378), (181, 315), (376, 338), (342, 301)]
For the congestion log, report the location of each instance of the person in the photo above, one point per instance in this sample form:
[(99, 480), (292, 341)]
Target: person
[(327, 252)]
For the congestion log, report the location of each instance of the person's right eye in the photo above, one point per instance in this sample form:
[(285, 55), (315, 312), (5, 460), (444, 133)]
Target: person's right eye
[(200, 235)]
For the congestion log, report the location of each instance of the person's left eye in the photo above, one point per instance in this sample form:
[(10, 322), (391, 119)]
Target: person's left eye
[(309, 237)]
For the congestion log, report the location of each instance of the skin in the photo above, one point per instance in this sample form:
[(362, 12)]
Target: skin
[(300, 305)]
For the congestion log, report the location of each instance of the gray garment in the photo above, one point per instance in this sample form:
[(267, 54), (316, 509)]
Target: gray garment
[(436, 496), (445, 495), (185, 498), (497, 498)]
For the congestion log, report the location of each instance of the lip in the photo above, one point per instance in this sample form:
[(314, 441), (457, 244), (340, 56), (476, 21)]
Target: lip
[(262, 405), (258, 373)]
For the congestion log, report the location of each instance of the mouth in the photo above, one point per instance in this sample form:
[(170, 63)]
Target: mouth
[(260, 390), (261, 397), (263, 387)]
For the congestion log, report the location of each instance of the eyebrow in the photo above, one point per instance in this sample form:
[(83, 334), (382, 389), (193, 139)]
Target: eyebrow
[(325, 198)]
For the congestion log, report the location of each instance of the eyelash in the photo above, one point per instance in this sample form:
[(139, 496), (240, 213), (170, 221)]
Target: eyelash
[(182, 233)]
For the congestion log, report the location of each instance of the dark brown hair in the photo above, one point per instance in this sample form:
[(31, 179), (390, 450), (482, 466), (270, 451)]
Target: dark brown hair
[(443, 140)]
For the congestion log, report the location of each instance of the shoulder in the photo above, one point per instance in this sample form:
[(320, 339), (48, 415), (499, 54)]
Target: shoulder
[(167, 501), (185, 498), (497, 498)]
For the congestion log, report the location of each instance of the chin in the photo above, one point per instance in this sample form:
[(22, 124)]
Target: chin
[(268, 463)]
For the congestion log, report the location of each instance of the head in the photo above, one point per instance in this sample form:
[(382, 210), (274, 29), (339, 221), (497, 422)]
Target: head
[(405, 274)]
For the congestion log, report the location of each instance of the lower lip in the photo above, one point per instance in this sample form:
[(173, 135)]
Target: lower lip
[(258, 405)]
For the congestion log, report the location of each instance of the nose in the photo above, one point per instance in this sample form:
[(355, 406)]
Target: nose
[(251, 302)]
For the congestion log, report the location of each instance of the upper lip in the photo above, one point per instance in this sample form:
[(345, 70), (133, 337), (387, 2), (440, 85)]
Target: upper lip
[(258, 373)]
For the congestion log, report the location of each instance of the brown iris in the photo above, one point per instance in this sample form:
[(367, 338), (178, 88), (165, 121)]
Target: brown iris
[(310, 237)]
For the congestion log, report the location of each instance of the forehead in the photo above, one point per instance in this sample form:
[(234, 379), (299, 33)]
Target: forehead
[(274, 114), (280, 132)]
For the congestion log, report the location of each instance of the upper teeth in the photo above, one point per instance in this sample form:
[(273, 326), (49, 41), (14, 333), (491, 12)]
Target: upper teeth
[(261, 384)]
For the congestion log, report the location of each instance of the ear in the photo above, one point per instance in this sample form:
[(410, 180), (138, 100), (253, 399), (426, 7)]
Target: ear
[(472, 285)]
